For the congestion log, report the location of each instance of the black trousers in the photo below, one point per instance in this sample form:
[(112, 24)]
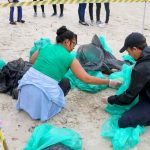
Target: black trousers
[(61, 8), (137, 115), (98, 8), (65, 85), (35, 7)]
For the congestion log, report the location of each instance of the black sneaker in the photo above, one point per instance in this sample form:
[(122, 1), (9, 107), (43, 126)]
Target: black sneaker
[(83, 23), (54, 14), (21, 21), (43, 15), (61, 15), (13, 22)]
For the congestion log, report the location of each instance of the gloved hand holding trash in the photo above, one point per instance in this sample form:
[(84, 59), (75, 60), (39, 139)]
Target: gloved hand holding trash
[(114, 83)]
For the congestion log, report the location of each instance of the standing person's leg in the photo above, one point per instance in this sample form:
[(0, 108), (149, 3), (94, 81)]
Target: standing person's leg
[(91, 12), (98, 8), (35, 9), (81, 12), (61, 10), (65, 85), (19, 19), (11, 16), (137, 115), (107, 12), (42, 8), (83, 6), (55, 10)]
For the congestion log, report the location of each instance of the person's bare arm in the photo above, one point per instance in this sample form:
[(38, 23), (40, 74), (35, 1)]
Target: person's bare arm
[(33, 57), (80, 73)]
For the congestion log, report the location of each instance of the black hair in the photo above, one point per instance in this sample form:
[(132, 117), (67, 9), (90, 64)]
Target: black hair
[(142, 46), (63, 33)]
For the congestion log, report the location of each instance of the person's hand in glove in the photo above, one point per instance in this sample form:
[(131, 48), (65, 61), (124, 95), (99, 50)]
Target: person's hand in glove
[(114, 83), (104, 99)]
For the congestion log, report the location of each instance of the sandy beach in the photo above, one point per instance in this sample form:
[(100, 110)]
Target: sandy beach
[(84, 112)]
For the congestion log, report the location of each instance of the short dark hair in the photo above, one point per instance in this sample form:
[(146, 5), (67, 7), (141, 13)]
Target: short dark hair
[(63, 33), (142, 46)]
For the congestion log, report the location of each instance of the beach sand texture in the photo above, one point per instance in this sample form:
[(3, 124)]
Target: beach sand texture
[(84, 111)]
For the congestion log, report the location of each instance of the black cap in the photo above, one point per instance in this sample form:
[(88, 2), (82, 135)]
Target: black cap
[(134, 39)]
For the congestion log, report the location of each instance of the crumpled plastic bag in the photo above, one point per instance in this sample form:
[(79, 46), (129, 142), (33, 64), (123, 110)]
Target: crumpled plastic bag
[(39, 44), (129, 58), (2, 63), (121, 138), (46, 135), (75, 82), (124, 76), (104, 44), (57, 147)]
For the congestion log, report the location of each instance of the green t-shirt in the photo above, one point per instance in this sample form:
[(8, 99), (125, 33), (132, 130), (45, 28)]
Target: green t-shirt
[(54, 61)]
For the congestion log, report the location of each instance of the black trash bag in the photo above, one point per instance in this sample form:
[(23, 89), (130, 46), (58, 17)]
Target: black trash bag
[(10, 74), (58, 146), (93, 57)]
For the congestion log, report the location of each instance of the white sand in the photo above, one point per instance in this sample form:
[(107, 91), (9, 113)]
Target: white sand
[(84, 112)]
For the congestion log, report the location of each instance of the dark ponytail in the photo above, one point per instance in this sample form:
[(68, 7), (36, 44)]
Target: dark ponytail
[(63, 33)]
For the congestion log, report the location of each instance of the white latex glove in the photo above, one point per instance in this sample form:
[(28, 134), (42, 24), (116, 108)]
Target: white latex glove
[(114, 83), (104, 99)]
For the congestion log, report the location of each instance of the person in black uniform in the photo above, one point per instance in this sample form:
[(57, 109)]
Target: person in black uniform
[(136, 45)]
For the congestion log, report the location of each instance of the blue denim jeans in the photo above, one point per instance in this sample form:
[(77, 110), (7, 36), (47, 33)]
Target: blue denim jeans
[(81, 11), (11, 16)]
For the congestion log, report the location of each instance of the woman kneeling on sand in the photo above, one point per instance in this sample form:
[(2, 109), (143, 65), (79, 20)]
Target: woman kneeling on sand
[(42, 88)]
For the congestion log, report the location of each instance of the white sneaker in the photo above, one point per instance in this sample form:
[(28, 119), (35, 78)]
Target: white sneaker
[(35, 14), (92, 23), (102, 25), (99, 22), (43, 15)]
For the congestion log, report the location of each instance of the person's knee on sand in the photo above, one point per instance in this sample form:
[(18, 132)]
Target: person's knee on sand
[(137, 115), (65, 86), (126, 121)]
